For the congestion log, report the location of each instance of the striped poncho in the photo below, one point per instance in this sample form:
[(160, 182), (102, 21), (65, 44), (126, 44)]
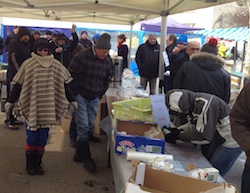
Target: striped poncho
[(42, 100)]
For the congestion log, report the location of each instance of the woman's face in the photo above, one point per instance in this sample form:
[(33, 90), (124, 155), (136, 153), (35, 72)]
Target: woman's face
[(119, 40), (42, 51)]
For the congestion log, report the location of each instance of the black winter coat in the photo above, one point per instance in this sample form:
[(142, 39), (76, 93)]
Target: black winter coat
[(123, 52), (147, 59), (204, 73), (18, 52), (66, 55)]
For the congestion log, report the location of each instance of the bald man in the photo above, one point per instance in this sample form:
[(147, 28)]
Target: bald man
[(204, 72)]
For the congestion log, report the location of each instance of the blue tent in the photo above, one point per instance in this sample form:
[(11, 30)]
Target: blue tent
[(173, 27)]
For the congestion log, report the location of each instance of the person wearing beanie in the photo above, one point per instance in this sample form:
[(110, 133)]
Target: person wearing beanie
[(95, 38), (92, 71), (84, 39), (210, 46), (18, 52), (48, 35), (31, 93), (63, 48), (123, 49), (34, 36), (176, 58), (11, 36), (147, 59), (205, 73)]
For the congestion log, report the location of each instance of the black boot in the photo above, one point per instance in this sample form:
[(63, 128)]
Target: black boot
[(38, 166), (88, 162), (78, 153), (30, 162), (82, 154)]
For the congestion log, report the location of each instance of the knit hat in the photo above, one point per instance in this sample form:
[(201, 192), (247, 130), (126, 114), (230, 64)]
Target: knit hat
[(48, 32), (41, 43), (84, 32), (96, 37), (210, 46), (182, 39), (103, 42), (23, 31)]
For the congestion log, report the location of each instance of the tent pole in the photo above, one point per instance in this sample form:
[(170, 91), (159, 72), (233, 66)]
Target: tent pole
[(130, 42), (162, 48)]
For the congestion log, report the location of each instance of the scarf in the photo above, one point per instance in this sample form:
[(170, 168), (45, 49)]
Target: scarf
[(120, 44)]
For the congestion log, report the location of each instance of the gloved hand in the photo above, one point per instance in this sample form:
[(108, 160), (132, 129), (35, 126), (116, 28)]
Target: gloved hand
[(74, 104), (171, 134), (8, 106)]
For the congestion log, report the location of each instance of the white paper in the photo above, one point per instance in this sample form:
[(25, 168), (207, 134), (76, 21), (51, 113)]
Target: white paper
[(160, 110), (141, 156), (165, 58)]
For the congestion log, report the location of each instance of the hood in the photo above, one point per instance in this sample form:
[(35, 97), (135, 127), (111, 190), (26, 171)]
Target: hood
[(45, 61), (208, 61), (180, 100)]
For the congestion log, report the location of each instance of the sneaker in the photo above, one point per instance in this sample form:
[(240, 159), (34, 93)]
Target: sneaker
[(94, 139), (10, 125)]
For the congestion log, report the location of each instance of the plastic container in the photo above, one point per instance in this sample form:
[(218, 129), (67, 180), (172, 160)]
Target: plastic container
[(133, 109)]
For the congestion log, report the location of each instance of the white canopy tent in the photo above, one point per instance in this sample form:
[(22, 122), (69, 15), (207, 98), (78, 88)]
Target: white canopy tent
[(104, 11)]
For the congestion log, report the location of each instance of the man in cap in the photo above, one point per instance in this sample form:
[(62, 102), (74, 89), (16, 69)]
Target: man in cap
[(10, 36), (84, 40), (95, 38), (48, 35), (92, 70), (178, 56), (19, 51)]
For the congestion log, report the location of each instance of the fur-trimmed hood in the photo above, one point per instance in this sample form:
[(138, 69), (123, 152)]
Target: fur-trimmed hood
[(208, 61)]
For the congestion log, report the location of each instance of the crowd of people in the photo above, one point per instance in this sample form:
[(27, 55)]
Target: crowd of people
[(197, 91), (45, 74)]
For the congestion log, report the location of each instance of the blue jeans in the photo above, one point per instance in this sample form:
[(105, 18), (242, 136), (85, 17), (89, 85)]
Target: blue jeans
[(72, 128), (85, 116), (245, 184), (37, 138), (223, 158)]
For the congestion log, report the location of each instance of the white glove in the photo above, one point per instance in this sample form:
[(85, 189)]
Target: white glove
[(74, 104), (8, 106)]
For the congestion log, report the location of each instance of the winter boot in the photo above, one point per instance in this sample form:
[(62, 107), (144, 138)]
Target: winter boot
[(38, 166), (30, 162), (88, 162), (78, 153)]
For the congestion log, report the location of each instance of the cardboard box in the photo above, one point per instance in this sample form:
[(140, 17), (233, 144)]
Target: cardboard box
[(135, 139), (156, 181), (65, 123), (101, 113)]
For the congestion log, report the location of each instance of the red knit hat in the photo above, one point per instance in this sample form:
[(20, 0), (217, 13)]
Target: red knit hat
[(213, 42), (210, 46)]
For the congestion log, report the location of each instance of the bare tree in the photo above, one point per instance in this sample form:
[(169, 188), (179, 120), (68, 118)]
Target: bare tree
[(237, 17)]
